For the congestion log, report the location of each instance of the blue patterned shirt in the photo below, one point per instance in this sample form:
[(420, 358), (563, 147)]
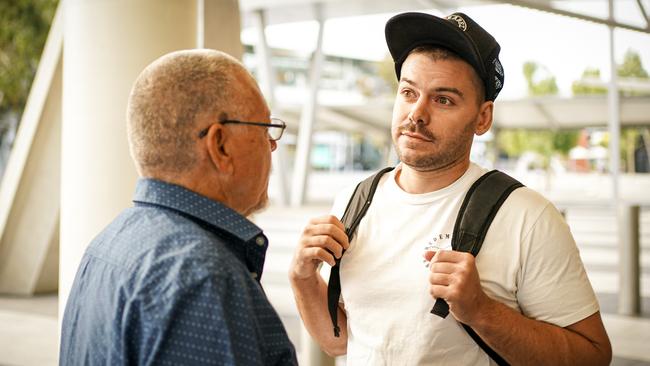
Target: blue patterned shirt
[(173, 280)]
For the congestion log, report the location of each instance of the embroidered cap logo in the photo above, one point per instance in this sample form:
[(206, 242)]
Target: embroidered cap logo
[(459, 21)]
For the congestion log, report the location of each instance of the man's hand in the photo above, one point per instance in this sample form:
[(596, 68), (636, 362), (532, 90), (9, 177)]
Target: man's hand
[(322, 240), (455, 279)]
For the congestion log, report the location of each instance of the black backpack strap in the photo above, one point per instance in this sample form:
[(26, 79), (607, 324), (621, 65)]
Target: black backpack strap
[(490, 352), (481, 204), (354, 212)]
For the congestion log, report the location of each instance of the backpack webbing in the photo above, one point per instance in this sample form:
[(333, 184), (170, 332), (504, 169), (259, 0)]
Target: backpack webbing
[(354, 212), (482, 202)]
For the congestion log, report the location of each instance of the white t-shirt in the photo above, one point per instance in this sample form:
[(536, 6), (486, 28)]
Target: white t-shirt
[(529, 261)]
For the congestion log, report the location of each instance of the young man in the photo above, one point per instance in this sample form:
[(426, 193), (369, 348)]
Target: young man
[(175, 280), (526, 294)]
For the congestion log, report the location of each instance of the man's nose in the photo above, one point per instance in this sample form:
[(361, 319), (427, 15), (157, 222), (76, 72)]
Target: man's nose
[(418, 113), (274, 144)]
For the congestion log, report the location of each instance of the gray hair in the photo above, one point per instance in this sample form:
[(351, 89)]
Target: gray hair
[(167, 97)]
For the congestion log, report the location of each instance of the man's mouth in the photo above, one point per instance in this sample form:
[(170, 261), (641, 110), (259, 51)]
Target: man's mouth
[(416, 135), (416, 131)]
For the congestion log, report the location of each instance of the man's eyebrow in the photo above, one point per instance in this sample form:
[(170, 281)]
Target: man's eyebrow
[(408, 81), (443, 89), (450, 90)]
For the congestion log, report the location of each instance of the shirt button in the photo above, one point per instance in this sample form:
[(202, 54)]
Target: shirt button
[(254, 275), (260, 241)]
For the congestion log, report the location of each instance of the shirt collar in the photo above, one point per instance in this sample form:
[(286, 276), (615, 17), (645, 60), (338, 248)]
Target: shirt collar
[(152, 191)]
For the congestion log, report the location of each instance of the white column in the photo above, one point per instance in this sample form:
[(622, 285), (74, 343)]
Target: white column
[(106, 45), (222, 26), (307, 119), (267, 81)]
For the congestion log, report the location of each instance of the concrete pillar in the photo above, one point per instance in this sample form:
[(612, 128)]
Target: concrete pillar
[(301, 167), (266, 79), (106, 45)]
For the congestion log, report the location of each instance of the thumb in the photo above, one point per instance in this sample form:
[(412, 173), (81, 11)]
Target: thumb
[(428, 254)]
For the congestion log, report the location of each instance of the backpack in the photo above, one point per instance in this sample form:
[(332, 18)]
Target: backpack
[(481, 204)]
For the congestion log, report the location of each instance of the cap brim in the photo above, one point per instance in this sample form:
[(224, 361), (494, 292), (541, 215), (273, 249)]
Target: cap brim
[(407, 31)]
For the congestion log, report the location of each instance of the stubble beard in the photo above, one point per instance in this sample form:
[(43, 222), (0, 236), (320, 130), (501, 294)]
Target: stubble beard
[(448, 153)]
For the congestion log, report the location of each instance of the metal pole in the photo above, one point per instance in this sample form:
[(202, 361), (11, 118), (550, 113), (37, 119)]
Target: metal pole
[(614, 112), (628, 255), (307, 118), (629, 299)]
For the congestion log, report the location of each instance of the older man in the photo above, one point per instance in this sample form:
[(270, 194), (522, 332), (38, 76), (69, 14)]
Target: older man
[(176, 278)]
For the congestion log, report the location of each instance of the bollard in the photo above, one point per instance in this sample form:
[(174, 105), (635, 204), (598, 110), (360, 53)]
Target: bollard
[(629, 300)]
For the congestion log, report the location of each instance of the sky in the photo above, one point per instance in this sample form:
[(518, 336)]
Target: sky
[(563, 46)]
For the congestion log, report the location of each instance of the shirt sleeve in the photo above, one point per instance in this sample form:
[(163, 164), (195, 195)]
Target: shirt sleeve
[(553, 284)]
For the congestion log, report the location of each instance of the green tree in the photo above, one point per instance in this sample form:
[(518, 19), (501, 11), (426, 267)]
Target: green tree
[(544, 142), (25, 25), (538, 84), (632, 66), (580, 88)]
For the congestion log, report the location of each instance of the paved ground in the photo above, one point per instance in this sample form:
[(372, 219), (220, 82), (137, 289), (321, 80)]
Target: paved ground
[(28, 326)]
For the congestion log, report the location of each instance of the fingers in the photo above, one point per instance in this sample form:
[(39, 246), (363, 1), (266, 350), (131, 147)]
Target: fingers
[(439, 292), (319, 255), (452, 256), (440, 279), (428, 255), (453, 277), (327, 226), (322, 240)]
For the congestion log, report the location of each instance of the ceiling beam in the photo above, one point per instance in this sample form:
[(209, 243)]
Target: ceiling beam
[(643, 12), (549, 9)]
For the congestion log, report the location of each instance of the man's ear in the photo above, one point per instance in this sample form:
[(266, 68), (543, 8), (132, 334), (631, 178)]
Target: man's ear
[(484, 117), (218, 145)]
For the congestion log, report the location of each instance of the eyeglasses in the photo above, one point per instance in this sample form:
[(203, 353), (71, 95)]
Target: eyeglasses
[(274, 129)]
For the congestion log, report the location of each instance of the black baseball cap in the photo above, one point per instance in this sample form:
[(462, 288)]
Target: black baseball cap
[(457, 33)]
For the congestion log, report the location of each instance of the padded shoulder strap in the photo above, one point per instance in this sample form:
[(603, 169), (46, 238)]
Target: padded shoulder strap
[(354, 212), (481, 204), (360, 202)]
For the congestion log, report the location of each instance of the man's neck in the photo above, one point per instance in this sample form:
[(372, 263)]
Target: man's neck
[(416, 182)]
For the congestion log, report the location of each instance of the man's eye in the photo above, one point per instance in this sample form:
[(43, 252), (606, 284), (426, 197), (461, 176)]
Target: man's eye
[(444, 100), (407, 93)]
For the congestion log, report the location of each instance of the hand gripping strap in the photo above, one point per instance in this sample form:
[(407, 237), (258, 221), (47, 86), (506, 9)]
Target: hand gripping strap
[(354, 212), (481, 204)]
